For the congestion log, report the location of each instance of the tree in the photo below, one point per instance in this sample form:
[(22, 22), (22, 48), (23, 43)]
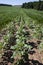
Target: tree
[(39, 6)]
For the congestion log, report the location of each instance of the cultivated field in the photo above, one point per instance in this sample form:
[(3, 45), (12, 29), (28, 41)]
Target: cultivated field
[(21, 36)]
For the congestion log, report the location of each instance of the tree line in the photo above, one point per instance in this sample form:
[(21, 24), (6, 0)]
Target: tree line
[(34, 5), (5, 5)]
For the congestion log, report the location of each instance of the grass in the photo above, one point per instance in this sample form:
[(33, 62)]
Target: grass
[(7, 14), (35, 15), (30, 16), (27, 24), (1, 46)]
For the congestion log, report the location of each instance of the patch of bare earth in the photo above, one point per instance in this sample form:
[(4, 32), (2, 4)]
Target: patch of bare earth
[(36, 56)]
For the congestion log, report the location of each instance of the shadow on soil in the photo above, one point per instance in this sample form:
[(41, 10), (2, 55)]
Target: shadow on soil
[(31, 62)]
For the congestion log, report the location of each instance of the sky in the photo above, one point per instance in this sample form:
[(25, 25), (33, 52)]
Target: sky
[(15, 2)]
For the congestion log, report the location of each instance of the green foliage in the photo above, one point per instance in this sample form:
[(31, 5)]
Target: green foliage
[(41, 46), (1, 45), (23, 25), (24, 58), (7, 14), (33, 5)]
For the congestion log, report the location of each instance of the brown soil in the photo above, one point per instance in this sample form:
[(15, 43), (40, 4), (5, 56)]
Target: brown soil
[(35, 56)]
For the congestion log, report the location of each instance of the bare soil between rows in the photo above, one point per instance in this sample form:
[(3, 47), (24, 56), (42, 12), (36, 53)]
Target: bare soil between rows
[(35, 56)]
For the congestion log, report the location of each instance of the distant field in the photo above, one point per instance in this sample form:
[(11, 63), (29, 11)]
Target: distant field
[(8, 14)]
